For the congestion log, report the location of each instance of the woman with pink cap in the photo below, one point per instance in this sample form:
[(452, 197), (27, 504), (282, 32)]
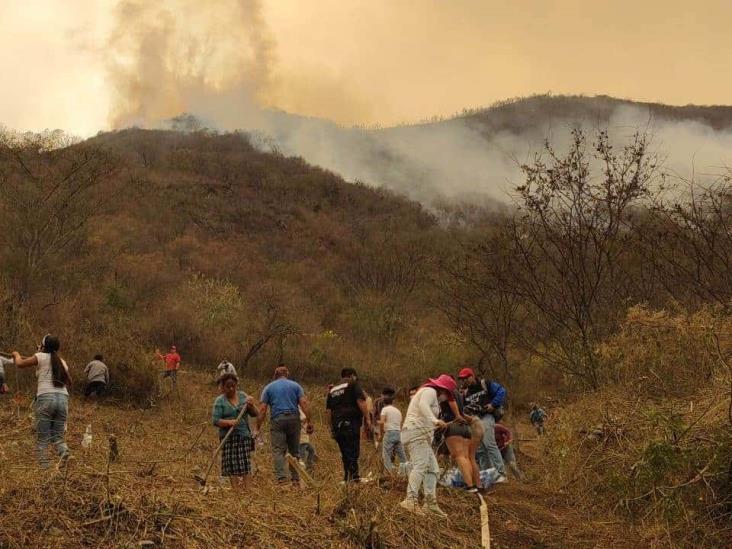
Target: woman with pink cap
[(419, 426)]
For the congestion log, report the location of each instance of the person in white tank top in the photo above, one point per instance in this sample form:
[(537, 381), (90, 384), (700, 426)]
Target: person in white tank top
[(52, 396)]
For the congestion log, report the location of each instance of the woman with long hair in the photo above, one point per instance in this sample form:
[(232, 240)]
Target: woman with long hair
[(457, 439), (52, 396)]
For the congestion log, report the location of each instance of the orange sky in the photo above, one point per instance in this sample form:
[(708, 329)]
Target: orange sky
[(388, 61)]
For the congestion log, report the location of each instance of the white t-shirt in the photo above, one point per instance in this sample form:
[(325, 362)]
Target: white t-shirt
[(44, 373), (225, 368), (3, 362), (423, 411), (392, 418)]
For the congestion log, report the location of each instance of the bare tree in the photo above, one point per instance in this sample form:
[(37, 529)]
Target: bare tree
[(49, 190), (572, 244)]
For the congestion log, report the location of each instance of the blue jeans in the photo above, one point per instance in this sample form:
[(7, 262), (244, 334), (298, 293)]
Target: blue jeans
[(392, 444), (488, 454), (308, 455), (51, 412)]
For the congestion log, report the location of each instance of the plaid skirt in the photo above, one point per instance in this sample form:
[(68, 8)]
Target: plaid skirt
[(236, 456)]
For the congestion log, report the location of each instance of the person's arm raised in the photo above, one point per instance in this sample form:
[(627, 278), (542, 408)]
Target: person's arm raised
[(24, 362)]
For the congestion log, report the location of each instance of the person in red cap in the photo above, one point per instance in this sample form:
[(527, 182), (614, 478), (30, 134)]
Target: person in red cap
[(484, 399), (419, 426)]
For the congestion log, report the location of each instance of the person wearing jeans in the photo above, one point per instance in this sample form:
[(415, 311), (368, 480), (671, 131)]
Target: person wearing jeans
[(484, 399), (52, 396), (390, 421), (283, 397), (52, 410)]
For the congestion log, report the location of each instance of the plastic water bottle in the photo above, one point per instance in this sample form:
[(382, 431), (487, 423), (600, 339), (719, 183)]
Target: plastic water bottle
[(86, 440)]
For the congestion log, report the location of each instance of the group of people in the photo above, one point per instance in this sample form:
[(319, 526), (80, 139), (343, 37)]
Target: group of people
[(442, 418)]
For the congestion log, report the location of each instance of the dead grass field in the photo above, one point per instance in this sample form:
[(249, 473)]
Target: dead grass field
[(148, 497)]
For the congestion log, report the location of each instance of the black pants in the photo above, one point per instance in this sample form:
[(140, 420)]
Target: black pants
[(95, 387), (348, 436)]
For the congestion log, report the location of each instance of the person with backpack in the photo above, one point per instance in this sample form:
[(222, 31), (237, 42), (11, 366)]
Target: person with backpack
[(52, 396), (97, 377), (347, 410), (537, 416), (285, 398), (484, 399)]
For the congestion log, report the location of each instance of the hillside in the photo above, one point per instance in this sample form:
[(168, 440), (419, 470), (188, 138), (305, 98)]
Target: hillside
[(474, 156)]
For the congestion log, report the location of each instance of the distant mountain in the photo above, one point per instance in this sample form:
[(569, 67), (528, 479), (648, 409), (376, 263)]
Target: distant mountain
[(474, 156)]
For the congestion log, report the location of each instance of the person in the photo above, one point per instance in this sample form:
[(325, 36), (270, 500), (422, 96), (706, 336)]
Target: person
[(283, 396), (456, 438), (419, 425), (347, 410), (485, 400), (504, 440), (537, 416), (308, 455), (236, 454), (172, 364), (52, 396), (390, 422), (4, 362), (386, 393), (224, 367), (97, 377)]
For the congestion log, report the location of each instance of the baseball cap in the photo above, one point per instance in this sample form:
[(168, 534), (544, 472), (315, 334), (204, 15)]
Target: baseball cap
[(466, 372)]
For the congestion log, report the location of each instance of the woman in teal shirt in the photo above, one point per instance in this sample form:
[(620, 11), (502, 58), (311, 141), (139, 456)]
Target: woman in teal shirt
[(236, 454)]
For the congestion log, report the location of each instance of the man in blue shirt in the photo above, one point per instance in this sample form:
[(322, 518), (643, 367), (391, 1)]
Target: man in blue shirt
[(283, 396), (484, 399)]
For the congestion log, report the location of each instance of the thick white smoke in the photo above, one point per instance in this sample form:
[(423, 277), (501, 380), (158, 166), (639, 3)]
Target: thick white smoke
[(217, 61)]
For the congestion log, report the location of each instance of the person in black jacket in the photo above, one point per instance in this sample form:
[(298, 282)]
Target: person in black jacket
[(347, 410)]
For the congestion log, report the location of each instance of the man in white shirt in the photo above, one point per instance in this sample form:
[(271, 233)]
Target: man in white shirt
[(390, 423)]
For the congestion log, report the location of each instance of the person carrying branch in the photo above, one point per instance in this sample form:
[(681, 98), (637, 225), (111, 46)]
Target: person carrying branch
[(52, 396), (347, 410), (283, 396), (236, 461)]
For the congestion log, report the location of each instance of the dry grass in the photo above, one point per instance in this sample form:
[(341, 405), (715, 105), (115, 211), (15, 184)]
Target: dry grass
[(150, 495)]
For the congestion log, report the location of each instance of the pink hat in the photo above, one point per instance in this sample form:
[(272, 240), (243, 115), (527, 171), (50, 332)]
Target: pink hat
[(443, 381)]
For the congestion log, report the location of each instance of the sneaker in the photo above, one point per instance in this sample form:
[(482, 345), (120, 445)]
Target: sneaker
[(471, 489), (410, 505), (432, 507), (501, 479)]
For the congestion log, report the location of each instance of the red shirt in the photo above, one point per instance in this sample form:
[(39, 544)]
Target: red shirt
[(503, 436), (172, 361)]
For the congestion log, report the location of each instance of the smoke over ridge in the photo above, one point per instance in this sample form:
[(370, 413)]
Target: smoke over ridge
[(218, 62)]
